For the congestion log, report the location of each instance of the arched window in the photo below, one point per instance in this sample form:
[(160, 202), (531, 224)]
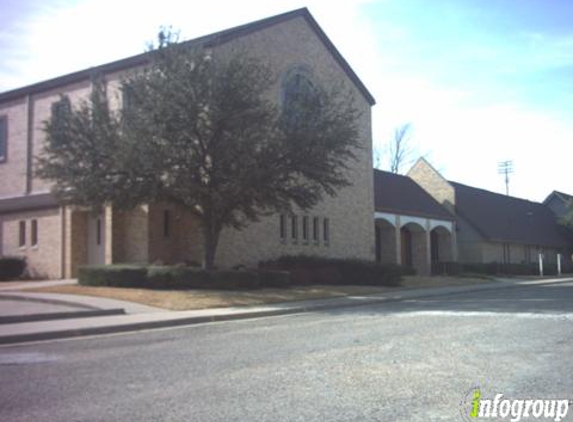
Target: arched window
[(299, 95)]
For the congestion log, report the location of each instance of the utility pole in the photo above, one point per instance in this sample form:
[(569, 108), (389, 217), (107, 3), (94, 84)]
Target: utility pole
[(505, 167)]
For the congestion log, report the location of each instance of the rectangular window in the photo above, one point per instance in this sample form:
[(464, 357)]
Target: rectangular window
[(294, 227), (305, 228), (127, 97), (34, 233), (282, 228), (98, 232), (315, 229), (326, 230), (60, 111), (166, 223), (22, 233), (3, 138)]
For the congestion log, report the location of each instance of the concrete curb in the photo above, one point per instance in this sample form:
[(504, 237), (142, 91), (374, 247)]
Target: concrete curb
[(16, 319), (257, 312), (8, 296)]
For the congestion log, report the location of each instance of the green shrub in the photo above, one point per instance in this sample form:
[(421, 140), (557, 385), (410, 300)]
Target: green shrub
[(306, 269), (232, 279), (176, 278), (274, 279), (11, 267), (112, 275), (180, 278)]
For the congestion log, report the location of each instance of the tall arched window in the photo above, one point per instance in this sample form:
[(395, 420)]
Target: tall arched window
[(299, 95)]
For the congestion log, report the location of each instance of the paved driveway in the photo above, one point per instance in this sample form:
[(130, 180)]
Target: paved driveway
[(20, 307), (402, 361)]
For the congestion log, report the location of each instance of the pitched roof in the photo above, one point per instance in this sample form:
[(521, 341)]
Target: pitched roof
[(211, 40), (401, 195), (28, 203), (507, 219), (565, 198)]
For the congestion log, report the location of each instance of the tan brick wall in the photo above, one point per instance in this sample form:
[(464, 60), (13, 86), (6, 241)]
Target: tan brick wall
[(42, 105), (13, 169), (137, 234), (351, 211), (45, 259), (131, 235), (434, 183), (388, 247), (76, 241)]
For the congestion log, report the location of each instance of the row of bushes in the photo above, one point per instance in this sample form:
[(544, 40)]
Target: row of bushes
[(11, 267), (279, 273), (179, 278), (316, 270), (496, 268)]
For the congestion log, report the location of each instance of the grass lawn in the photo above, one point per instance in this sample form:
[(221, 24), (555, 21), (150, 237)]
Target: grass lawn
[(179, 300)]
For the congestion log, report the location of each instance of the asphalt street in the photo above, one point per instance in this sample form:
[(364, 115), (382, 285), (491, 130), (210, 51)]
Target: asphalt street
[(403, 361)]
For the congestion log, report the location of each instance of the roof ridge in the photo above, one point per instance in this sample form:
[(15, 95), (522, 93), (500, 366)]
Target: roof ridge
[(210, 40), (510, 197)]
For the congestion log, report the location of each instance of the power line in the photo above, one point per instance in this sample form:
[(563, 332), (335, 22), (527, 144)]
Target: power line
[(506, 168)]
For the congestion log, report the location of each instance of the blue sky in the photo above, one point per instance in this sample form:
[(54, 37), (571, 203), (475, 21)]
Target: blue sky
[(480, 81)]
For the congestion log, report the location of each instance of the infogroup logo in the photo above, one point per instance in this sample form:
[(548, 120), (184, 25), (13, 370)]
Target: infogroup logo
[(476, 405)]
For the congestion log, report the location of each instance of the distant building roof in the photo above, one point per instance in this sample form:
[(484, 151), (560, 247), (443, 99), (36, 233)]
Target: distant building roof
[(507, 219), (564, 197), (211, 40), (398, 194)]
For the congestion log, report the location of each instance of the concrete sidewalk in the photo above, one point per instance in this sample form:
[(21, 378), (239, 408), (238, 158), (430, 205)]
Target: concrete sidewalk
[(74, 327)]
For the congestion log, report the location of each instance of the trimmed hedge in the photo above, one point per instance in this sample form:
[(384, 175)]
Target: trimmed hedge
[(306, 269), (180, 278), (112, 276), (11, 267)]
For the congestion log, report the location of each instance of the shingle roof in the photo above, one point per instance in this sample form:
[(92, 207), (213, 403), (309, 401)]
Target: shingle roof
[(564, 197), (211, 40), (401, 195), (507, 219), (28, 203)]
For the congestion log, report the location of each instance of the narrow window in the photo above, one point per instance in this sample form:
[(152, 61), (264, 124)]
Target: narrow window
[(283, 229), (166, 223), (315, 229), (22, 234), (3, 138), (60, 112), (294, 227), (305, 228), (98, 232), (127, 97), (326, 230), (34, 233)]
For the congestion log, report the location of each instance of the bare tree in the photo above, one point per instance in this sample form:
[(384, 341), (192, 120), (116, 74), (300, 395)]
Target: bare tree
[(400, 150), (377, 158)]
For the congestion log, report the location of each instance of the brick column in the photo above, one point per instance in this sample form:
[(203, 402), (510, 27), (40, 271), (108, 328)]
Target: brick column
[(428, 247), (108, 230), (454, 243), (397, 228)]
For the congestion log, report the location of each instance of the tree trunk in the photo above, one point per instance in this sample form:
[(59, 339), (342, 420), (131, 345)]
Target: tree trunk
[(210, 241)]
